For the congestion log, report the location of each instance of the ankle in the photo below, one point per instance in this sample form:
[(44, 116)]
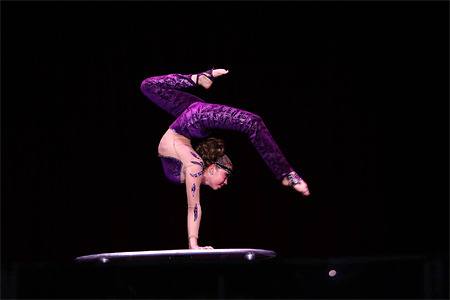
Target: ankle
[(292, 179), (194, 78)]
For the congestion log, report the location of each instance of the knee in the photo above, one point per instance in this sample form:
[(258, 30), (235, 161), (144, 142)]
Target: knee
[(147, 86), (256, 119), (144, 84)]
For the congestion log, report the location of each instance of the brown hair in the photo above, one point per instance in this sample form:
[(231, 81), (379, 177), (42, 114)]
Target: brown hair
[(210, 150)]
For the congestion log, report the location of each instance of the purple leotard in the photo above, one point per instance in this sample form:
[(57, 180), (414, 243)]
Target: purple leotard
[(195, 118)]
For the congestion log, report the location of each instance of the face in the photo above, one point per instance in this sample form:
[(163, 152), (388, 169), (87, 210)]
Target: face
[(217, 177)]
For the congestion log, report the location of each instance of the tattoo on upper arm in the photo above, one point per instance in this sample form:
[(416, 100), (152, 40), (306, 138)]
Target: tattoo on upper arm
[(195, 212), (195, 155), (196, 174), (200, 163)]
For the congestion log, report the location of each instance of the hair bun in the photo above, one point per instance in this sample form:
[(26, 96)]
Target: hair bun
[(210, 150)]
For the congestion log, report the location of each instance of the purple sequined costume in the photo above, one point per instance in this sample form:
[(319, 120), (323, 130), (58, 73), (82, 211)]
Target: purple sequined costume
[(195, 117)]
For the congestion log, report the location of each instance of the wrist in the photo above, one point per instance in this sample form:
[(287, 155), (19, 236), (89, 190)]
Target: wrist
[(193, 241)]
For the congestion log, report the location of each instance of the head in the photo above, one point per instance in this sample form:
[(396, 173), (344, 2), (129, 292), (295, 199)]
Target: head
[(217, 165)]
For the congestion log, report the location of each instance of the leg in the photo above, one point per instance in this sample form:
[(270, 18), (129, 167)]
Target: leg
[(215, 116), (166, 91), (225, 117)]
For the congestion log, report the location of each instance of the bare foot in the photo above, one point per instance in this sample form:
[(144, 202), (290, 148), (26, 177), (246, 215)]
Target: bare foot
[(301, 187), (204, 81)]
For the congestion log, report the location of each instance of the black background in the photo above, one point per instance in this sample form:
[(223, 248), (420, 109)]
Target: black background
[(355, 93)]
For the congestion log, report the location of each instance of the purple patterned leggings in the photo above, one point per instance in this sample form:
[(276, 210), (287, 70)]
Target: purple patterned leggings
[(195, 117)]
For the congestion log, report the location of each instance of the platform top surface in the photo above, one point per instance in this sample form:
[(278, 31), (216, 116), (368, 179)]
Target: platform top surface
[(199, 253)]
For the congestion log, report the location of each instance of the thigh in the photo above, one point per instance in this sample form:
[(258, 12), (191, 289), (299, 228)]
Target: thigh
[(219, 116)]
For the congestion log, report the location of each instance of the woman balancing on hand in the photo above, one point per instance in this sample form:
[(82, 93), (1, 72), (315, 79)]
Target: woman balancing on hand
[(207, 164)]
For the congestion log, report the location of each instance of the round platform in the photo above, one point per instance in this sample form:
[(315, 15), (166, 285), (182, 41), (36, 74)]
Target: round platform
[(181, 255)]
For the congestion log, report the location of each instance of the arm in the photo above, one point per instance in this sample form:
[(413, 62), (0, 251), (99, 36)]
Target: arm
[(194, 210)]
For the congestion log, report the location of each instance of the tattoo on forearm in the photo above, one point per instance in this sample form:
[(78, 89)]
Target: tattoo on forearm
[(195, 212), (193, 190)]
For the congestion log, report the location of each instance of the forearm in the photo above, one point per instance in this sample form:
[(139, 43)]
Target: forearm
[(194, 216), (194, 210)]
